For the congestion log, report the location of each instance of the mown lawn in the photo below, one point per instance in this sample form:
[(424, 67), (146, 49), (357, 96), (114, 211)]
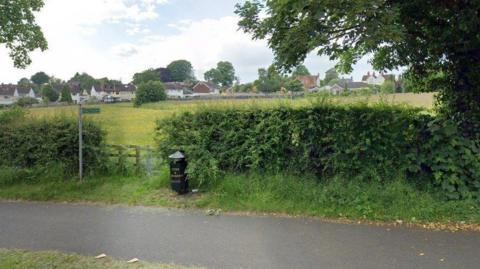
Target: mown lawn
[(22, 259), (128, 125)]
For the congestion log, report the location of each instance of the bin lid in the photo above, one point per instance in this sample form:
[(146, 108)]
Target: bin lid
[(177, 155)]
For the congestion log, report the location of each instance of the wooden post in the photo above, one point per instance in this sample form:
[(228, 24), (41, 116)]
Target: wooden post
[(137, 157), (80, 143)]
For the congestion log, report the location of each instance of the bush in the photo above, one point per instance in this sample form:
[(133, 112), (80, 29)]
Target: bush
[(374, 143), (26, 101), (151, 91), (42, 143)]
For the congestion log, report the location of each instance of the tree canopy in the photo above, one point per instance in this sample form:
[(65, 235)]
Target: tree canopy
[(19, 31), (151, 91), (181, 70), (49, 94), (330, 75), (300, 70), (66, 95), (425, 36), (146, 76), (86, 81), (40, 78), (223, 75)]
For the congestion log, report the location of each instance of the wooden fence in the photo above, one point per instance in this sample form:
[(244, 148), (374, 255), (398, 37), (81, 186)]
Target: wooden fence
[(131, 151)]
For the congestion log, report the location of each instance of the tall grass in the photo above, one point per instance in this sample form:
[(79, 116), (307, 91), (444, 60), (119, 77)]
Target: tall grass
[(338, 197)]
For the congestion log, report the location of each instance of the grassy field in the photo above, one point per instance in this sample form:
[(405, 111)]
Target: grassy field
[(127, 125), (21, 259)]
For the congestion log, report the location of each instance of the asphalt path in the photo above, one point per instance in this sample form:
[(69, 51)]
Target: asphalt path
[(228, 241)]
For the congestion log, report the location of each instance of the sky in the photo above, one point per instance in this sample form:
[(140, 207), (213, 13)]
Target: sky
[(117, 38)]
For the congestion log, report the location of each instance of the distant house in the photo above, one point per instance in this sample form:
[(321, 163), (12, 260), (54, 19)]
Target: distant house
[(205, 88), (7, 94), (348, 85), (176, 90), (374, 79), (309, 82), (120, 92), (10, 93)]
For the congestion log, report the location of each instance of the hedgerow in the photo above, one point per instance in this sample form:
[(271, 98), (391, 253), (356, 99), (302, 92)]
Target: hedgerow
[(28, 143), (355, 141)]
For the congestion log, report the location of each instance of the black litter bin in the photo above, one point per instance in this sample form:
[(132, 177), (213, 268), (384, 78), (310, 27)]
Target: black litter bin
[(178, 175)]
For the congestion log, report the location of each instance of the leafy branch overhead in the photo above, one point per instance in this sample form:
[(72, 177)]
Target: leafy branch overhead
[(431, 38), (19, 31)]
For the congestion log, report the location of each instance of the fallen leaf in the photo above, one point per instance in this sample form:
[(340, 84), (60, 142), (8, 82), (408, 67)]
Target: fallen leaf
[(134, 260), (101, 256)]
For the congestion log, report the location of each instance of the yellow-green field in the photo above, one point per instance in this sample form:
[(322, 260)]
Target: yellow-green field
[(128, 125)]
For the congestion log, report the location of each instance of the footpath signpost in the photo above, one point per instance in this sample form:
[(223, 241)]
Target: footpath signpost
[(81, 111)]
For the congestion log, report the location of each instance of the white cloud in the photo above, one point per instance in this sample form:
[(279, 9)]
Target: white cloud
[(75, 43), (124, 50)]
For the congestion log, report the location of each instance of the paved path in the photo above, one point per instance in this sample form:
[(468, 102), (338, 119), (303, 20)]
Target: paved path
[(191, 238)]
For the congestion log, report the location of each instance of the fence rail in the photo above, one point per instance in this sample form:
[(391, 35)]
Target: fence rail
[(131, 151)]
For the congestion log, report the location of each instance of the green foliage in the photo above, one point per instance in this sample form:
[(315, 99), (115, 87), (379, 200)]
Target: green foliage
[(25, 83), (26, 101), (12, 115), (86, 81), (453, 160), (146, 76), (374, 143), (66, 95), (18, 30), (429, 37), (387, 87), (294, 85), (40, 78), (300, 70), (268, 80), (152, 91), (49, 94), (330, 75), (352, 198), (223, 75), (38, 143), (181, 70)]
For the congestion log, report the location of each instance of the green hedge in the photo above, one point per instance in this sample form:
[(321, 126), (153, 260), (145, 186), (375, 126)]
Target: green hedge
[(27, 143), (376, 143)]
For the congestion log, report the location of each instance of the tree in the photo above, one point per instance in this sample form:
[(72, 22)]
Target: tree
[(181, 70), (49, 94), (148, 92), (18, 30), (300, 70), (26, 101), (223, 75), (25, 83), (145, 76), (294, 85), (66, 95), (387, 87), (269, 80), (40, 78), (165, 74), (330, 75), (426, 36), (86, 81)]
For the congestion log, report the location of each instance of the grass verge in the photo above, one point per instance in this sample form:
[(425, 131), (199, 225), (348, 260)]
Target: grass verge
[(334, 198), (20, 259)]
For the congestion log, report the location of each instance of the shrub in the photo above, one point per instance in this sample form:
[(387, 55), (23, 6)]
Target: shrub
[(32, 143), (26, 101), (374, 143), (151, 91)]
